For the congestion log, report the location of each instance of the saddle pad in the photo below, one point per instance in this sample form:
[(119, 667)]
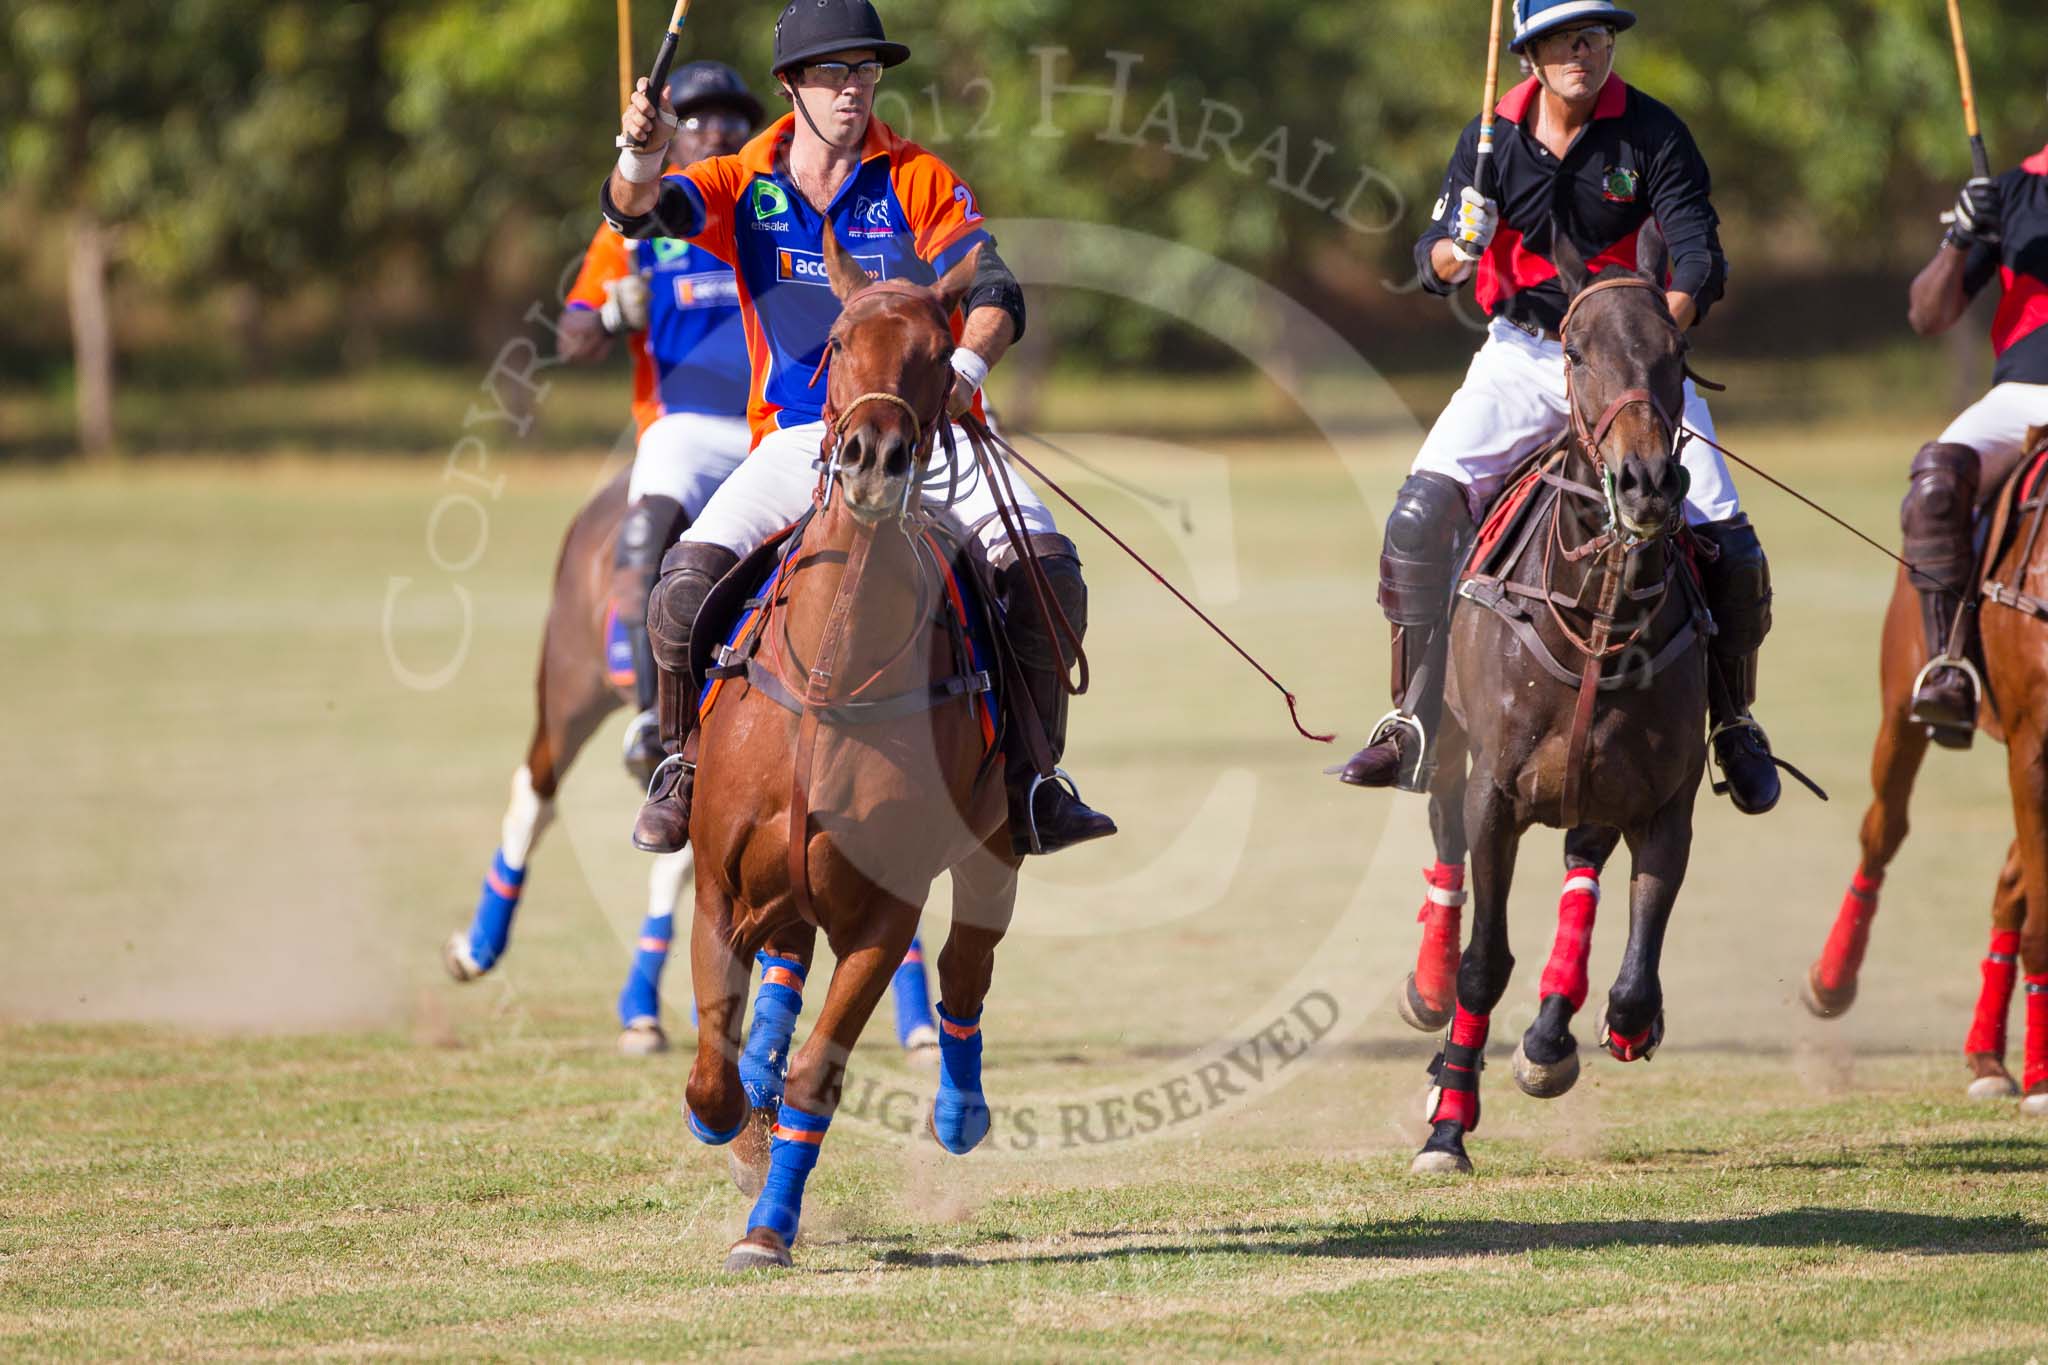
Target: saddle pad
[(960, 602), (1504, 518), (2001, 521)]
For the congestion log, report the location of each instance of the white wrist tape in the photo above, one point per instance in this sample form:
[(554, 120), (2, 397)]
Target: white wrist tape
[(970, 366), (639, 165)]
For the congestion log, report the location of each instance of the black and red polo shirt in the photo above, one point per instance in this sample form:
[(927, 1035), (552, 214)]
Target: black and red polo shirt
[(2019, 334), (1635, 161)]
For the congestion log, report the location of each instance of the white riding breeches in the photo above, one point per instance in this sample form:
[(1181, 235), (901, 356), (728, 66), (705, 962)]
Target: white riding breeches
[(774, 486), (1512, 404), (1996, 425), (686, 456)]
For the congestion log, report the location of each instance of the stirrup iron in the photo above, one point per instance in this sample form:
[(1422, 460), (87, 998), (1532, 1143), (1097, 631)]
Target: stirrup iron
[(1060, 777), (1946, 660), (1416, 778), (663, 767)]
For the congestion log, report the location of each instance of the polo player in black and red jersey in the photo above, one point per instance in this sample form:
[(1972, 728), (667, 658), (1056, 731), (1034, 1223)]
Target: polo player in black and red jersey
[(2000, 229), (1579, 151)]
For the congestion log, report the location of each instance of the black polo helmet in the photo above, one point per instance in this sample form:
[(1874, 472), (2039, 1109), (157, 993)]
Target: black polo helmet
[(704, 84), (810, 29)]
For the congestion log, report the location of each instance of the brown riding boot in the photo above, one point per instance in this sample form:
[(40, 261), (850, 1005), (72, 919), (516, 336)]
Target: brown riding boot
[(663, 825), (1937, 518), (1396, 755)]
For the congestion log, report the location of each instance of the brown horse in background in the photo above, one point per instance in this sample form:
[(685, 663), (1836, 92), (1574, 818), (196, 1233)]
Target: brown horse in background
[(2014, 631), (1609, 744), (837, 803)]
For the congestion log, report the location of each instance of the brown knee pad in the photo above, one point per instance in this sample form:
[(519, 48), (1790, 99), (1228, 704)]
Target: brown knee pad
[(1936, 516), (688, 574)]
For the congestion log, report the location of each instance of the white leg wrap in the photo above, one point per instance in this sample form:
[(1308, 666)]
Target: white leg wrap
[(525, 818), (1583, 881), (665, 882)]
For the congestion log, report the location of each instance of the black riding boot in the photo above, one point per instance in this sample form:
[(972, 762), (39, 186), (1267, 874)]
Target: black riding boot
[(1738, 587), (1425, 532), (1047, 814), (688, 574), (1940, 503), (643, 537)]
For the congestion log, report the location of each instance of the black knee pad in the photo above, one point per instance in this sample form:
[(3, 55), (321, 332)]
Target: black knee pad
[(1430, 523), (644, 536), (1738, 582), (688, 574)]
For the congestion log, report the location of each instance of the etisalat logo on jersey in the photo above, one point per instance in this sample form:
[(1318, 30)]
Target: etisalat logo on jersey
[(1618, 186), (808, 267), (770, 203)]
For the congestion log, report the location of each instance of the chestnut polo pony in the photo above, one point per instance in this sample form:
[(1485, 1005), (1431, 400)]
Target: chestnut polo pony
[(846, 766), (2011, 588)]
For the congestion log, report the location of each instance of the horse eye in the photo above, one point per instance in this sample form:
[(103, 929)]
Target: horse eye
[(1572, 356)]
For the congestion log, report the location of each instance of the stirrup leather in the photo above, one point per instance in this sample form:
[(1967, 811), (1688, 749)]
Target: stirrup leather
[(1945, 660), (1416, 777), (673, 760), (1060, 777), (1745, 721)]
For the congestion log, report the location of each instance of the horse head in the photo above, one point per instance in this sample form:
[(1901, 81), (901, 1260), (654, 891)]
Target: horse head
[(890, 379), (1625, 383)]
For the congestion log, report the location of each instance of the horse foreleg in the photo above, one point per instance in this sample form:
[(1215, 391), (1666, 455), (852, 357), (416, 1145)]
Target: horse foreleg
[(785, 962), (714, 1101), (641, 1033), (1482, 978), (1634, 1025), (1830, 985), (1431, 990), (917, 1032), (867, 957), (1547, 1061), (1985, 1048), (984, 896), (2027, 774)]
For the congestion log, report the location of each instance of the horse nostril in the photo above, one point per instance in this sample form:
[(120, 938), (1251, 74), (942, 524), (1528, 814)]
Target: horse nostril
[(850, 455), (895, 460)]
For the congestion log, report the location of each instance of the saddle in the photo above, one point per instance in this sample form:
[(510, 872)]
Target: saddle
[(1516, 517), (2022, 497), (726, 639)]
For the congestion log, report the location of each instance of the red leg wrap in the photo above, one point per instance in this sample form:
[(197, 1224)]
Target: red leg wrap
[(1630, 1047), (2001, 972), (1843, 956), (1470, 1030), (1565, 974), (1454, 1102), (2037, 1032), (1443, 910)]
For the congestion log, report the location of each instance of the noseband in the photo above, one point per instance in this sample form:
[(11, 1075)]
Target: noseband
[(1591, 437)]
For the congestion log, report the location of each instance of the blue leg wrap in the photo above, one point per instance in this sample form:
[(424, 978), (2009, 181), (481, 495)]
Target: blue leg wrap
[(491, 929), (959, 1113), (765, 1061), (913, 995), (791, 1156), (641, 999), (706, 1135)]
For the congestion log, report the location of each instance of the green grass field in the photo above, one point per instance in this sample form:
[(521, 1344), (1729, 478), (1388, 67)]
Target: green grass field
[(242, 1113)]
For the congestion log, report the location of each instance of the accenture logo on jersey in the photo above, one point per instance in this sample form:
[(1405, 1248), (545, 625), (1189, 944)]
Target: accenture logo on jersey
[(808, 267)]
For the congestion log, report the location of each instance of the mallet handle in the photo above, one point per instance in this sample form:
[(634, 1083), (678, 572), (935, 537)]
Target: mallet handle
[(1491, 96), (665, 58), (1980, 160), (625, 53)]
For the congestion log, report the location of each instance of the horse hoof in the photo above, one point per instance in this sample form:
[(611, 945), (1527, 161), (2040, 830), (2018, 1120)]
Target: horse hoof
[(456, 958), (963, 1126), (2035, 1106), (1546, 1081), (1418, 1013), (749, 1156), (1822, 1003), (1641, 1049), (1428, 1162), (921, 1048), (643, 1038), (761, 1249), (1994, 1088)]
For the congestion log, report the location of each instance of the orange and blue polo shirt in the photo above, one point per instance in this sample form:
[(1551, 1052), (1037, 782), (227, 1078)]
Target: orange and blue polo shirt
[(693, 355), (903, 214), (2019, 332)]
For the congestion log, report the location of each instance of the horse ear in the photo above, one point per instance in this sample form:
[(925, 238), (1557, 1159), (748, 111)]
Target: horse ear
[(841, 269), (1571, 266), (952, 287), (1653, 255)]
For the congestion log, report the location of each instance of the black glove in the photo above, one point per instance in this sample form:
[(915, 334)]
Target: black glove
[(1979, 215)]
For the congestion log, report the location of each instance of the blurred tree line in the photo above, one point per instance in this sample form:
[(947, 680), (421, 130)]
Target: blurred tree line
[(411, 176)]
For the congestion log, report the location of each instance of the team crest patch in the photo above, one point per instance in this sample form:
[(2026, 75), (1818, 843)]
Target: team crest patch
[(1618, 186)]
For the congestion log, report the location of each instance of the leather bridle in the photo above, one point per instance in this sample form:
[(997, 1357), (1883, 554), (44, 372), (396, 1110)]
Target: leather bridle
[(1591, 437)]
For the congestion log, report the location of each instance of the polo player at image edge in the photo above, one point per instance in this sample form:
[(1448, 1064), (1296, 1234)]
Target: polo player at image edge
[(1582, 152)]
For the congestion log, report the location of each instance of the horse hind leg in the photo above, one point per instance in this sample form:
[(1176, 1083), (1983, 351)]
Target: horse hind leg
[(2027, 775), (1547, 1061), (1985, 1048), (641, 1033), (714, 1102), (917, 1029), (984, 897), (817, 1076), (1829, 988), (785, 963), (1431, 990)]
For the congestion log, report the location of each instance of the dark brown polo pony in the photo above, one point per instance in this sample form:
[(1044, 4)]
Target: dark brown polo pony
[(842, 812), (1581, 693), (2013, 616)]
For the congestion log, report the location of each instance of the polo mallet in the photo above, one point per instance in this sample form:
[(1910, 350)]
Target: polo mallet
[(625, 53), (663, 60), (1491, 96), (1980, 161)]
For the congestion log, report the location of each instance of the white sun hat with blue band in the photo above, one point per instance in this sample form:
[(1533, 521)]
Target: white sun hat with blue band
[(1534, 18)]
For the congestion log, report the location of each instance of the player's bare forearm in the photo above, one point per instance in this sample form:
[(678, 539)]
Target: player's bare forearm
[(1684, 311), (1449, 266), (1938, 301), (988, 333), (633, 199)]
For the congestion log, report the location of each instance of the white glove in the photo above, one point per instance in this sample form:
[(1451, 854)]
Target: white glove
[(625, 304), (1478, 219)]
